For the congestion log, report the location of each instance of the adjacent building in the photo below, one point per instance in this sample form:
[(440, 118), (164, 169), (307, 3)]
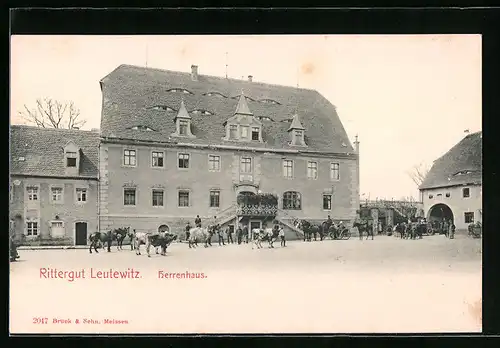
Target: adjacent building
[(53, 185), (176, 145), (452, 189)]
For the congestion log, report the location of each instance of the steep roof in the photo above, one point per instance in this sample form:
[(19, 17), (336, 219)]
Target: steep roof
[(183, 113), (42, 151), (242, 107), (296, 123), (137, 96), (461, 165)]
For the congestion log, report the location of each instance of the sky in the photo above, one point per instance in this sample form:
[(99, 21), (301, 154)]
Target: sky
[(409, 98)]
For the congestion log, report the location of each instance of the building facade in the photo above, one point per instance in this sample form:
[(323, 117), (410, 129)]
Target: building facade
[(53, 185), (452, 189), (177, 145)]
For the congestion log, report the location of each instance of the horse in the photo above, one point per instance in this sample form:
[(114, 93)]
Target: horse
[(309, 229), (100, 237), (155, 239), (363, 227), (200, 233), (400, 228), (270, 235), (120, 234)]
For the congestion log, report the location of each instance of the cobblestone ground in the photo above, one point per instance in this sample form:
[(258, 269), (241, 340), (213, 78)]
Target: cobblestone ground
[(384, 285)]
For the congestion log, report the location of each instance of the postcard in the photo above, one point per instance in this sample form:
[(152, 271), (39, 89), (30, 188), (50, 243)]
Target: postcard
[(245, 184)]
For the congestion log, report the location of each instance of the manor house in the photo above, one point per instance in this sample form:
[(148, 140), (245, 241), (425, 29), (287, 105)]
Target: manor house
[(176, 145)]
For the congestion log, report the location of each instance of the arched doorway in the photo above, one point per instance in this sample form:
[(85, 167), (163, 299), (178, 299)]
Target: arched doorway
[(163, 228), (440, 212)]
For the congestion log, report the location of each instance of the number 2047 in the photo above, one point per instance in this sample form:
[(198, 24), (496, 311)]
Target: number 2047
[(40, 320)]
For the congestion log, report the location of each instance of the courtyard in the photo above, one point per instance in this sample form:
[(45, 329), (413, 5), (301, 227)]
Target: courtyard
[(384, 285)]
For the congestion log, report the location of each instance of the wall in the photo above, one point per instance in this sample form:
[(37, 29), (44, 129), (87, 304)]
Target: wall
[(458, 204), (268, 175), (45, 211)]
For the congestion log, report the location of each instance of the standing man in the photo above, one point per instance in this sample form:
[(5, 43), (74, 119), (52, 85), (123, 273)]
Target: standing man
[(282, 235), (229, 236), (239, 234), (220, 233), (188, 231), (452, 230), (245, 233), (197, 221)]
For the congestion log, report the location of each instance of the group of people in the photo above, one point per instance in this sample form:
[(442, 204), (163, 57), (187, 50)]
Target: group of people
[(226, 235)]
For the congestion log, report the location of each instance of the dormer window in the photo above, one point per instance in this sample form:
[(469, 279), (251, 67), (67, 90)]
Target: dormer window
[(269, 101), (183, 127), (179, 90), (71, 159), (201, 112), (298, 137), (183, 122), (244, 131), (233, 131), (296, 131), (215, 94), (143, 128), (162, 108), (255, 133)]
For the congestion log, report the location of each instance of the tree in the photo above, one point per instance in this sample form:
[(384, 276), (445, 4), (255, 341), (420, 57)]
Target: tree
[(418, 173), (50, 113)]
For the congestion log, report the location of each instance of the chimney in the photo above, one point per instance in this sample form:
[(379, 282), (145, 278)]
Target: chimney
[(250, 77), (194, 72)]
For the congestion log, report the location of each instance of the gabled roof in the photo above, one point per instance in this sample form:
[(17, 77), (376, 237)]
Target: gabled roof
[(296, 123), (129, 92), (40, 151), (242, 107), (461, 165), (183, 113)]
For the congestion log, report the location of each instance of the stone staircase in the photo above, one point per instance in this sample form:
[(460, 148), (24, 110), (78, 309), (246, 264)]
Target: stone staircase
[(284, 218), (226, 215)]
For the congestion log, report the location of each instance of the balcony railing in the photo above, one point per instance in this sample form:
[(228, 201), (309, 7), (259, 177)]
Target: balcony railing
[(257, 210)]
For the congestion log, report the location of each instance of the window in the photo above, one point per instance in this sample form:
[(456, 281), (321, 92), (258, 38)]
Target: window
[(129, 158), (157, 159), (431, 196), (184, 160), (244, 131), (334, 171), (292, 200), (57, 229), (183, 199), (56, 194), (439, 195), (312, 170), (11, 193), (255, 133), (214, 199), (246, 169), (298, 137), (447, 194), (32, 193), (233, 131), (157, 198), (466, 192), (183, 127), (213, 163), (70, 159), (81, 195), (32, 228), (327, 202), (469, 218), (288, 169), (129, 196)]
